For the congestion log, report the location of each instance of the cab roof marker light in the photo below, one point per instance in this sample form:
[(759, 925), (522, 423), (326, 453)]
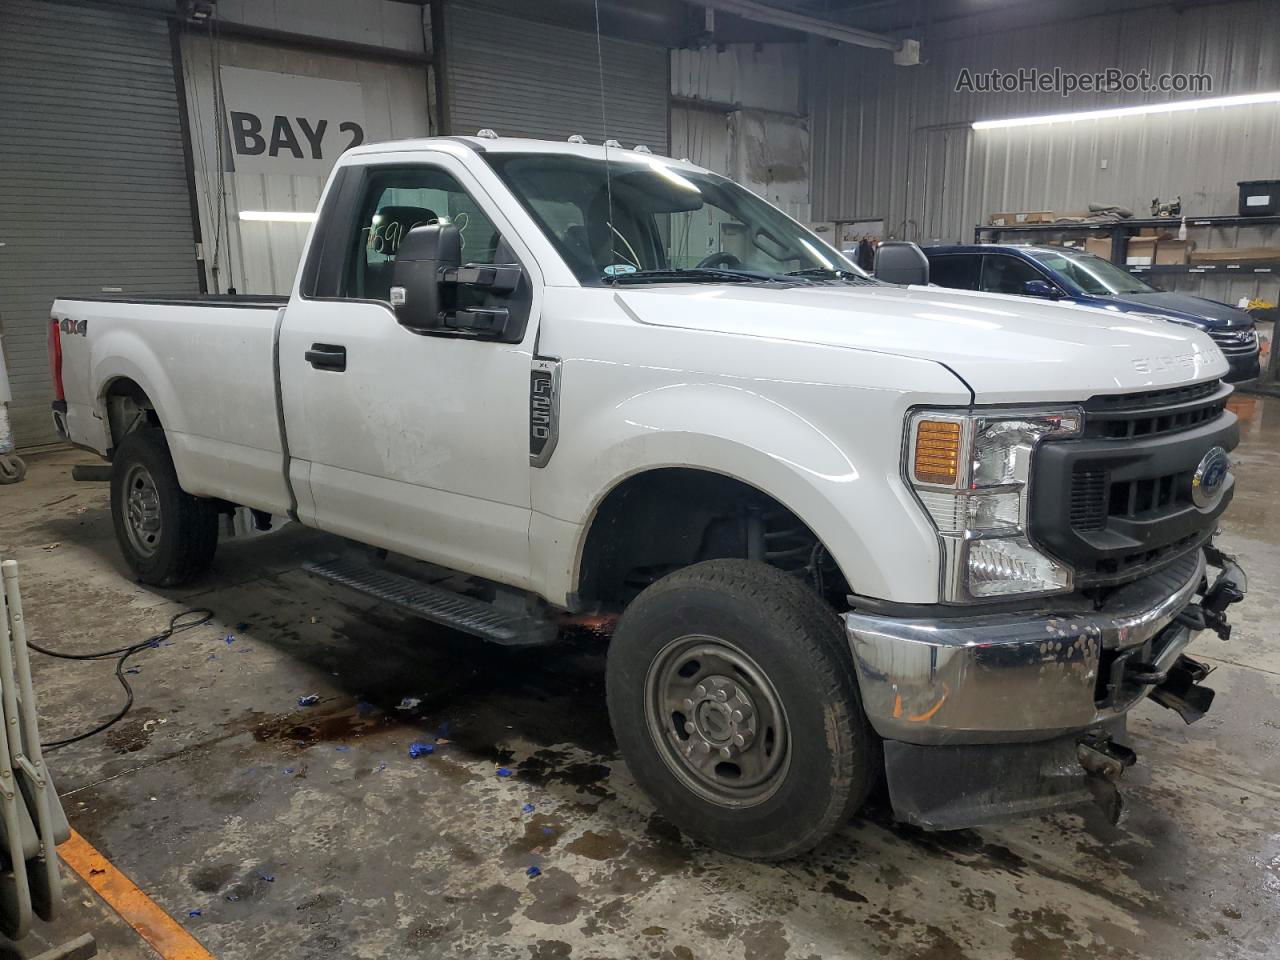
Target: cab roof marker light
[(279, 216), (1172, 106)]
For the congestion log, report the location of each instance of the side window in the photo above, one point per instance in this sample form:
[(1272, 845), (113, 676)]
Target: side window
[(397, 199), (1005, 274), (956, 270)]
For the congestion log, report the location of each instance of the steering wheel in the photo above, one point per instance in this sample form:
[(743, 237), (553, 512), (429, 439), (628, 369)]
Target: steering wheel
[(720, 259)]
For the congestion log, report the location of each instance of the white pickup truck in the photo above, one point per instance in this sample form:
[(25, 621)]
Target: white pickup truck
[(850, 529)]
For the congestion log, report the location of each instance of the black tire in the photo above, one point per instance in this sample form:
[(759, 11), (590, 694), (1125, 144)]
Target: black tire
[(182, 546), (795, 640)]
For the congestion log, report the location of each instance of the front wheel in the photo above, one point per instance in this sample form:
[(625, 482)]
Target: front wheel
[(736, 708), (166, 535)]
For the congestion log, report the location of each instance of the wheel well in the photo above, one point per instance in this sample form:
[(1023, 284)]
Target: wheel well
[(128, 408), (659, 521)]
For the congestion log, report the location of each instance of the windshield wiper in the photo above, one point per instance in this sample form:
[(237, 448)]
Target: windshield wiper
[(688, 275), (832, 273)]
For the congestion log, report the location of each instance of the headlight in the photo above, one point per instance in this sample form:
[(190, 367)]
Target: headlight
[(971, 472)]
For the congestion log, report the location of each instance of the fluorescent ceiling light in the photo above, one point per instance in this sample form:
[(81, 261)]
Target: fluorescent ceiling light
[(278, 216), (1172, 106)]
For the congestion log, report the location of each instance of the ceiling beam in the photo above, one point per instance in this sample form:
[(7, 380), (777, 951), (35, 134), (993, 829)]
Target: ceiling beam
[(763, 13)]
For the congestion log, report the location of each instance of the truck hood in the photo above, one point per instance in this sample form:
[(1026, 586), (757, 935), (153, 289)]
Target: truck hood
[(1007, 349), (1214, 315)]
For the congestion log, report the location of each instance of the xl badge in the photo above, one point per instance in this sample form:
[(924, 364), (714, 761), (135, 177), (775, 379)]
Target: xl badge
[(1210, 477)]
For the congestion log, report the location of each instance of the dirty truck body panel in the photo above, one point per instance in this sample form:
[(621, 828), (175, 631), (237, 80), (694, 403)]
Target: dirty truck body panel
[(491, 450)]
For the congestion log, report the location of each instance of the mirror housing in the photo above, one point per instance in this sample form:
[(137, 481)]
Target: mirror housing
[(901, 262), (417, 294), (1040, 288)]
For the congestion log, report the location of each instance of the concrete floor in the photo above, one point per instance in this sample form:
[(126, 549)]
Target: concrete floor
[(310, 832)]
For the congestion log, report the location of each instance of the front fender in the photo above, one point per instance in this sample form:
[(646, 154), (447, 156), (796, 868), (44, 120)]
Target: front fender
[(839, 476)]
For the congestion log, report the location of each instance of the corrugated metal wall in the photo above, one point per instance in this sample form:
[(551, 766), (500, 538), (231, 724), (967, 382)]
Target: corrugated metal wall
[(527, 79), (895, 142), (740, 110), (93, 192)]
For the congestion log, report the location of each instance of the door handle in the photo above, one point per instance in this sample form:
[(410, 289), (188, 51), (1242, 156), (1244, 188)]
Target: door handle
[(327, 356)]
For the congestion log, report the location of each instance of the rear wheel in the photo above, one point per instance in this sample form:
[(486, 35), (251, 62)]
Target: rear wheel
[(167, 536), (735, 705)]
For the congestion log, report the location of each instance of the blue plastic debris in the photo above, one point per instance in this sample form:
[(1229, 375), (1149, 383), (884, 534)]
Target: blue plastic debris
[(230, 638), (193, 913), (309, 701), (548, 830), (534, 871), (288, 771), (527, 808), (504, 772), (133, 670), (342, 748), (267, 877), (419, 749), (381, 767)]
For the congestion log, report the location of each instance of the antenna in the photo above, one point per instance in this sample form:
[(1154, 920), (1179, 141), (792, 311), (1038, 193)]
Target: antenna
[(604, 125)]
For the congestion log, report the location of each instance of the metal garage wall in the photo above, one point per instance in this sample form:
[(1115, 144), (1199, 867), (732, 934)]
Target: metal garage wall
[(739, 109), (529, 79), (262, 257), (895, 142), (93, 192)]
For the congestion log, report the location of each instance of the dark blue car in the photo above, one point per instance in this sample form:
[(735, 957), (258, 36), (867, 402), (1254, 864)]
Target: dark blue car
[(1061, 273)]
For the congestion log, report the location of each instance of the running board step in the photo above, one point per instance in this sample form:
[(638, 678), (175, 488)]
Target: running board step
[(476, 617)]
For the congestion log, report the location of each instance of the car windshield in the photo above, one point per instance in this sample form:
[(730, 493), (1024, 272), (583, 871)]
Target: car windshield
[(1092, 275), (648, 221)]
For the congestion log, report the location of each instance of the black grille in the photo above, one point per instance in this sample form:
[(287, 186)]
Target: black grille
[(1154, 412), (1236, 343), (1116, 502), (1088, 499)]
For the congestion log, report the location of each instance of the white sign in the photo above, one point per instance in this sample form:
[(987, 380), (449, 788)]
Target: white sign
[(282, 123)]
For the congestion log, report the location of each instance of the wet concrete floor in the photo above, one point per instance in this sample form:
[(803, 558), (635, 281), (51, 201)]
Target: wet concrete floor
[(309, 832)]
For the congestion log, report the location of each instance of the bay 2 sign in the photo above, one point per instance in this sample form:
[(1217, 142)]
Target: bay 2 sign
[(283, 123)]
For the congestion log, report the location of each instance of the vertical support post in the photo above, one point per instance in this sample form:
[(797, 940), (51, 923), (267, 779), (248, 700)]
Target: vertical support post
[(440, 64)]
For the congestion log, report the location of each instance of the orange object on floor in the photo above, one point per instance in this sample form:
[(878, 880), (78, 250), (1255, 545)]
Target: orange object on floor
[(167, 937)]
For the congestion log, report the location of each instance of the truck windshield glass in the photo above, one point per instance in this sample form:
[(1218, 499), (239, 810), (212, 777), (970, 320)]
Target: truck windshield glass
[(648, 216), (1092, 275)]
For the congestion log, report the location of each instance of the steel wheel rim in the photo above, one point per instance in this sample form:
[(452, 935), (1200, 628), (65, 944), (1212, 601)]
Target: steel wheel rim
[(143, 523), (717, 721)]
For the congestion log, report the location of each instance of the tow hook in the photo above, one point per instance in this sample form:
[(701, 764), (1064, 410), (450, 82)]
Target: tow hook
[(1181, 691), (1105, 761)]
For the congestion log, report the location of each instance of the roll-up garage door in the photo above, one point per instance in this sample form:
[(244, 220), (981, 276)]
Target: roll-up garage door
[(93, 187), (529, 79)]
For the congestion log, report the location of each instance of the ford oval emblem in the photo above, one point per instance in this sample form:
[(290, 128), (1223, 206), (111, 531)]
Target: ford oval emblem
[(1210, 477)]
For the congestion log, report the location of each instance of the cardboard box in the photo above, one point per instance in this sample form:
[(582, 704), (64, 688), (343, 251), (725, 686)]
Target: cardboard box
[(1174, 251), (1098, 246), (1024, 216), (1140, 252)]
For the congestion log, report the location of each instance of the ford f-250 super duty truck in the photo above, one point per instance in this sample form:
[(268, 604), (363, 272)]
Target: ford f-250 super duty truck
[(851, 529)]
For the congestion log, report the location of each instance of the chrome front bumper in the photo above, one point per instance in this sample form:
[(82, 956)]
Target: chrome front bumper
[(1019, 676)]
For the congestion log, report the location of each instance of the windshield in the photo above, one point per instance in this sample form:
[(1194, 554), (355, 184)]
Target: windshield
[(1090, 274), (648, 220)]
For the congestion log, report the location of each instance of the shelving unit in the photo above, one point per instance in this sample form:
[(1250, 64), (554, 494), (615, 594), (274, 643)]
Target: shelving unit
[(1122, 230)]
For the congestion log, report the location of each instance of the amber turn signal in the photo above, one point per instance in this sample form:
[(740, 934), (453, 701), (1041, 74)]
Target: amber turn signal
[(937, 451)]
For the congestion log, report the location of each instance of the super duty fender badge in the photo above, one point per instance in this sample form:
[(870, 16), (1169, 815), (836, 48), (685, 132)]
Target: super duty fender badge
[(544, 409)]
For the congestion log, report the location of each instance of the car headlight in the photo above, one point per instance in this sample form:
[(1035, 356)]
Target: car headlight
[(971, 471)]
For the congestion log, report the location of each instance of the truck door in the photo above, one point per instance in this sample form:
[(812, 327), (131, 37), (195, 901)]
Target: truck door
[(417, 443)]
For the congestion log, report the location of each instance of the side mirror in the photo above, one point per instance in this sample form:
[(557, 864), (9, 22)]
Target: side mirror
[(898, 261), (1040, 288), (425, 253)]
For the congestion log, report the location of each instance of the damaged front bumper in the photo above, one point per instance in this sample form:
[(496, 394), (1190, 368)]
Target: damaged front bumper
[(1002, 715)]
